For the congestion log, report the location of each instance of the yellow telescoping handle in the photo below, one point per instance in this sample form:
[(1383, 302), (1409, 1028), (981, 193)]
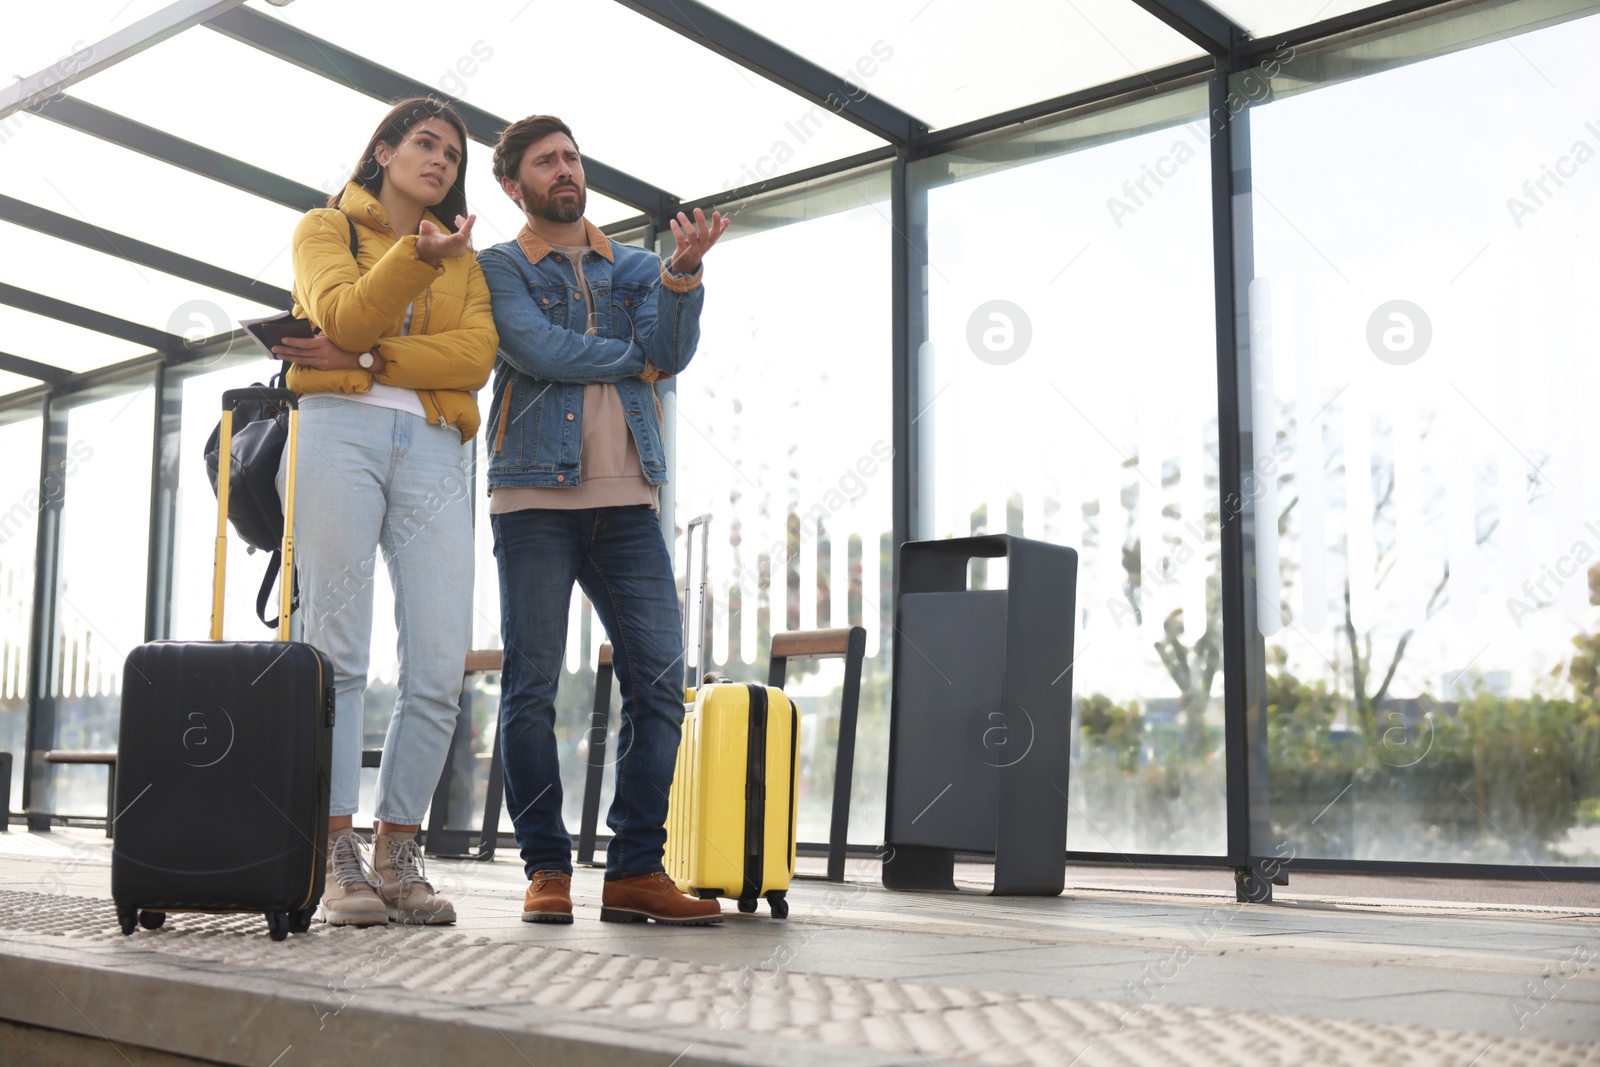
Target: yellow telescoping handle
[(286, 572), (230, 399), (219, 558)]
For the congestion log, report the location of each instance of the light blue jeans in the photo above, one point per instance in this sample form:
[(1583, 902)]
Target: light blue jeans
[(371, 478)]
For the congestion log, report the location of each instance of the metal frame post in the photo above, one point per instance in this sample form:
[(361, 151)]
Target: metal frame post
[(36, 775)]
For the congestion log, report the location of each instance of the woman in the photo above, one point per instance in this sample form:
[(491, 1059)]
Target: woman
[(386, 400)]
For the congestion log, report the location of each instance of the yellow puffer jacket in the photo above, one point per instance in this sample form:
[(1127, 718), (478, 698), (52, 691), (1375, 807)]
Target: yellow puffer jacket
[(450, 350)]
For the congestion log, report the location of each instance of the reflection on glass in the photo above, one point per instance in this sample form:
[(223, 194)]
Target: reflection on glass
[(19, 526), (1427, 509), (100, 589), (783, 431), (1068, 395)]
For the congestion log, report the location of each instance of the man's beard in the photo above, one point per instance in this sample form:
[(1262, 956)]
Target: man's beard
[(552, 210)]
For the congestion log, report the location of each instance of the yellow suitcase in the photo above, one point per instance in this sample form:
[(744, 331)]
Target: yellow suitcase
[(731, 812)]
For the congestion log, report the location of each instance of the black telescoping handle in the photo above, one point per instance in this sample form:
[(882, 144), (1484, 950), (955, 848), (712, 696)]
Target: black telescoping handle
[(232, 397)]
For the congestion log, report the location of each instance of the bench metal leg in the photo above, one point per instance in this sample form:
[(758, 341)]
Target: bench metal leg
[(845, 753), (442, 841), (493, 797), (845, 756), (599, 731)]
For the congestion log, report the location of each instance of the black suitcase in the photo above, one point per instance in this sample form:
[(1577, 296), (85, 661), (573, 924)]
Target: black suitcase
[(223, 759)]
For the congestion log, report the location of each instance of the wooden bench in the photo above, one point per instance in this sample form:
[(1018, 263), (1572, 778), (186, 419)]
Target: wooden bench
[(851, 644), (108, 760)]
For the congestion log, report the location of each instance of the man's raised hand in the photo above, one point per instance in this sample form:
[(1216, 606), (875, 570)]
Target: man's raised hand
[(695, 239), (434, 246)]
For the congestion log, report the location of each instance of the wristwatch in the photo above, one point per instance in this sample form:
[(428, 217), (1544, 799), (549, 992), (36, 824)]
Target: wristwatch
[(365, 360)]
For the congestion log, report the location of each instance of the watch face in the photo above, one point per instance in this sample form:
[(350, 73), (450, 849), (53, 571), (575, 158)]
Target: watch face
[(366, 361)]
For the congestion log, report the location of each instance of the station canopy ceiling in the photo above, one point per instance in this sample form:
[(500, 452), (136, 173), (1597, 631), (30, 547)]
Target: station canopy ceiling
[(154, 156)]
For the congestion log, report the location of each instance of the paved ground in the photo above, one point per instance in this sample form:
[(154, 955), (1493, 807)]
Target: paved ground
[(1128, 966)]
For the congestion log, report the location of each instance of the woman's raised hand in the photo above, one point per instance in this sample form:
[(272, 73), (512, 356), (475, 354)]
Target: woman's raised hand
[(434, 246)]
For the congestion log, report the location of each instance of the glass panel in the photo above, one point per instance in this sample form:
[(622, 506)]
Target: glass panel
[(1056, 406), (42, 35), (959, 60), (61, 344), (100, 591), (783, 436), (761, 129), (118, 287), (195, 516), (20, 439), (1421, 356), (53, 167)]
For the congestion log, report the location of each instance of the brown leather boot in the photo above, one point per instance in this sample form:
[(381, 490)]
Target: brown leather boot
[(654, 896), (549, 898)]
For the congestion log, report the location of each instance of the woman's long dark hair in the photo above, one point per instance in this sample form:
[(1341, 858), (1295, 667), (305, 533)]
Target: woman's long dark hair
[(393, 130)]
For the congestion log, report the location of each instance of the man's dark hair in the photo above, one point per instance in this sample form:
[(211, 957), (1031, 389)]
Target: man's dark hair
[(515, 139)]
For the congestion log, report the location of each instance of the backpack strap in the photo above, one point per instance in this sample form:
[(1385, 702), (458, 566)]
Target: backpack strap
[(264, 595)]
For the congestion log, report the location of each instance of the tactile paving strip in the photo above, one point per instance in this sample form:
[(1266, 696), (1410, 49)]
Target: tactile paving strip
[(935, 1021)]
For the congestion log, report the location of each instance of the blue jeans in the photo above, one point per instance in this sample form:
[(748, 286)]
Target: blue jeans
[(371, 478), (620, 559)]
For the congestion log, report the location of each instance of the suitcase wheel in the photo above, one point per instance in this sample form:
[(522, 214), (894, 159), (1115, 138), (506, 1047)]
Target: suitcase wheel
[(747, 904), (127, 918), (778, 902), (278, 924), (152, 920), (300, 921), (707, 894)]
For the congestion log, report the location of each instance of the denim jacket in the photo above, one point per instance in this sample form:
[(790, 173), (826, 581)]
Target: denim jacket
[(649, 325)]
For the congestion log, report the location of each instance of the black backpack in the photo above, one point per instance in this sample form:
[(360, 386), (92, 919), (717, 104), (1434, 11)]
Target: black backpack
[(260, 432)]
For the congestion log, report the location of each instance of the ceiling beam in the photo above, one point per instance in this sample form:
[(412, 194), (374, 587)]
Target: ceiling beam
[(89, 319), (127, 42), (1340, 25), (108, 126), (1200, 22), (32, 369), (67, 228), (287, 43), (731, 40)]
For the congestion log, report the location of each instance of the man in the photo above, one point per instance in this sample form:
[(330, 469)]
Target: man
[(575, 467)]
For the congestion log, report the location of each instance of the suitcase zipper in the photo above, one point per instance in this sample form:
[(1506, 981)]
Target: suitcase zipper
[(755, 793), (794, 758)]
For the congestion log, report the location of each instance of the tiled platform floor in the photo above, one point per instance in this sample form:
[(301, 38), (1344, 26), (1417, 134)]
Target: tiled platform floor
[(1125, 967)]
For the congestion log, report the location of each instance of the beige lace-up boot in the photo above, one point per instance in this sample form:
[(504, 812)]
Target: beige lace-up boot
[(350, 892), (405, 889)]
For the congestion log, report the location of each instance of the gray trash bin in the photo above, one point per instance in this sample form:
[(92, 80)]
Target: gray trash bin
[(979, 734)]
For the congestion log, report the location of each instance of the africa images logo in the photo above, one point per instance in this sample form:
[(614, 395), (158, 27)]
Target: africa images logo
[(1000, 734), (207, 737)]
